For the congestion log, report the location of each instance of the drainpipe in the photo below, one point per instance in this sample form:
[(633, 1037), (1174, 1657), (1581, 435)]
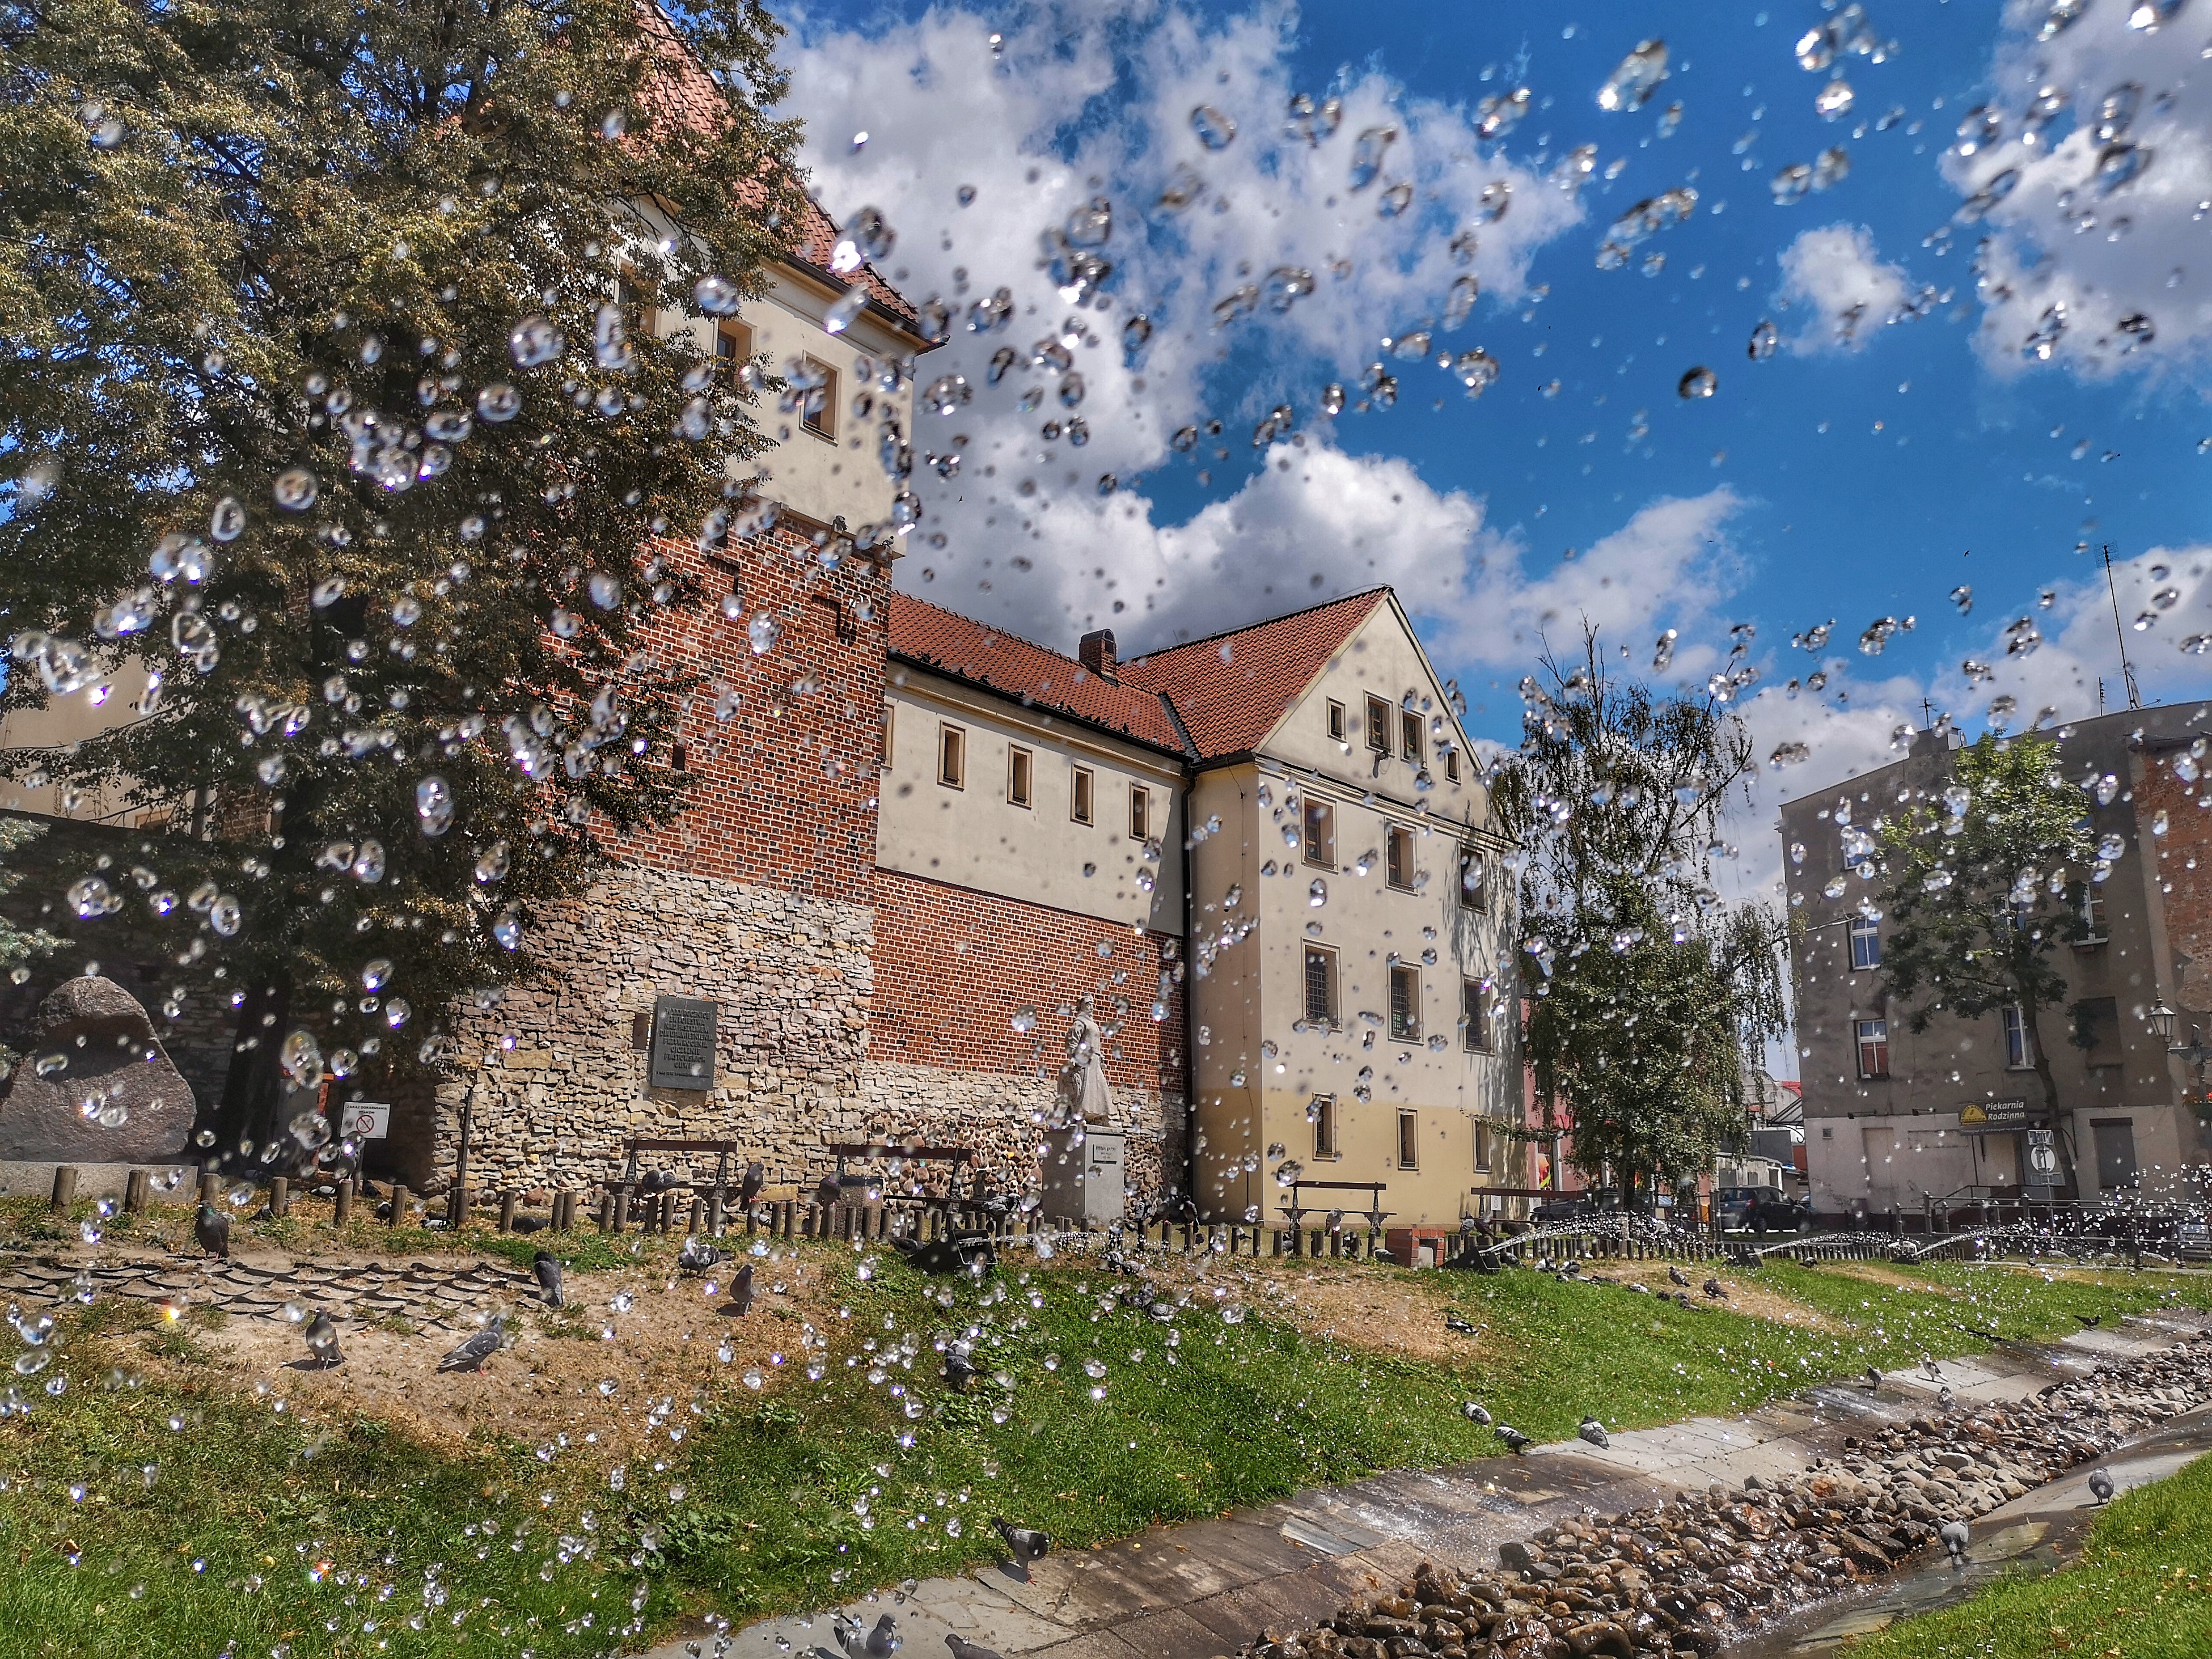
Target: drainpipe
[(1189, 1011)]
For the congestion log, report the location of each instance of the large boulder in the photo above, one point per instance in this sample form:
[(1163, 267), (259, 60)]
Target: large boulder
[(140, 1108)]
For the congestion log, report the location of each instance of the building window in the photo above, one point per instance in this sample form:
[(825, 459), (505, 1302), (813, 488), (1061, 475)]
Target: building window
[(1080, 802), (2093, 914), (818, 414), (733, 349), (2020, 1044), (1409, 1140), (1019, 764), (1478, 1022), (1451, 764), (637, 306), (1866, 942), (1335, 720), (1405, 1004), (1378, 725), (1874, 1047), (890, 730), (1323, 1111), (1320, 834), (1321, 985), (1409, 731), (952, 757), (1141, 812), (1473, 880), (1485, 1139), (1400, 862)]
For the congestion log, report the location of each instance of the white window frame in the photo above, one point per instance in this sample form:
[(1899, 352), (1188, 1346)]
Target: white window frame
[(2019, 1041), (1866, 930), (1860, 1035)]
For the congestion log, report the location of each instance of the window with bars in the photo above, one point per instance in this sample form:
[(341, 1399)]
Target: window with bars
[(1405, 1004), (1409, 734), (1321, 985)]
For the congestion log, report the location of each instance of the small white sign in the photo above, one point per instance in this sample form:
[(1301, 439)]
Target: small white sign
[(2042, 1155), (364, 1120)]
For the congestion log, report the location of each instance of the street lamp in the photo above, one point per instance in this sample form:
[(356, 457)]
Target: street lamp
[(2163, 1020), (2160, 1018)]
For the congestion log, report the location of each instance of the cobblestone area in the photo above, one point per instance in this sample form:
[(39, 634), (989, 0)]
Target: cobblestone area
[(444, 1296)]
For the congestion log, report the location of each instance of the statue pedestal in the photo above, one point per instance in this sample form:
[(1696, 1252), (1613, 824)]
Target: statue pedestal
[(1084, 1178)]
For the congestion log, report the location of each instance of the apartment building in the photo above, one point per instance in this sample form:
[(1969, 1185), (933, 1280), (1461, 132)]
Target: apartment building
[(1899, 1120)]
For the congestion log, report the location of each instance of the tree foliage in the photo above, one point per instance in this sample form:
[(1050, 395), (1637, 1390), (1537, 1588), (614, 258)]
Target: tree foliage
[(1978, 890), (1647, 989), (316, 387)]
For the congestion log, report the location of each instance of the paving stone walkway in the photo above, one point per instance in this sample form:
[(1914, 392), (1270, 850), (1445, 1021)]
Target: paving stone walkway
[(452, 1296), (1206, 1587)]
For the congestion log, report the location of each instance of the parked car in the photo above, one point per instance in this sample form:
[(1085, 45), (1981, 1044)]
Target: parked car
[(1775, 1213), (2193, 1240), (1568, 1206)]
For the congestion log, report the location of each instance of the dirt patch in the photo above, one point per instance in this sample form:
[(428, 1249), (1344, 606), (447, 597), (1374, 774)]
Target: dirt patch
[(1362, 1307), (1746, 1293), (663, 1342), (1884, 1274)]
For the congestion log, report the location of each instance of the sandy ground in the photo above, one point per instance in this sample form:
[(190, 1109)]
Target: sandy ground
[(665, 1346), (1359, 1306)]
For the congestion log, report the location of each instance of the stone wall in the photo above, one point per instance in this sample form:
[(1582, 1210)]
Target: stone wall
[(564, 1081)]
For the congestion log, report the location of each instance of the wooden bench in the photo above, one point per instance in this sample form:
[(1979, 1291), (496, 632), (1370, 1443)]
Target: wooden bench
[(1296, 1211)]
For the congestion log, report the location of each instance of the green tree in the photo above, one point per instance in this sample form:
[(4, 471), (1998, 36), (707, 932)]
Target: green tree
[(1648, 990), (325, 383), (1978, 893)]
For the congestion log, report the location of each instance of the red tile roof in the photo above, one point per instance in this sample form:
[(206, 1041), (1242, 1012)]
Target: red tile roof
[(1229, 689), (962, 648), (682, 89)]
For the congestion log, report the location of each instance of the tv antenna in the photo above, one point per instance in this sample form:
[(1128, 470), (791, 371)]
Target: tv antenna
[(2127, 669)]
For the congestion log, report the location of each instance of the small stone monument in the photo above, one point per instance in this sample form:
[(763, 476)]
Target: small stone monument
[(1085, 1166), (141, 1108)]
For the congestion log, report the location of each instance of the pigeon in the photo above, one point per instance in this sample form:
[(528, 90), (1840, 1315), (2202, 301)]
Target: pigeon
[(1454, 1322), (1945, 1399), (2090, 1322), (322, 1338), (656, 1180), (830, 1193), (963, 1649), (1874, 1379), (697, 1255), (1025, 1543), (1953, 1535), (741, 1289), (1715, 1290), (547, 1267), (211, 1227), (959, 1365), (1931, 1370), (1594, 1432), (1640, 1289), (1571, 1270), (880, 1643), (1676, 1276), (2100, 1485), (1515, 1441), (471, 1354), (946, 1256), (1475, 1412)]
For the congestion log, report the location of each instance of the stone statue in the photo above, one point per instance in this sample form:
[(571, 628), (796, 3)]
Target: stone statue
[(1083, 1092)]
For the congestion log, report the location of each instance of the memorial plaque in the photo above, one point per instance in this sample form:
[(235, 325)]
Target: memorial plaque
[(682, 1054)]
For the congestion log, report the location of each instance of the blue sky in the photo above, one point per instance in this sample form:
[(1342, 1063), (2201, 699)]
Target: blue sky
[(1846, 478)]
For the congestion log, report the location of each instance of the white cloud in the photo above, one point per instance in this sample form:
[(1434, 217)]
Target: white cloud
[(2092, 250), (1097, 101), (1852, 293)]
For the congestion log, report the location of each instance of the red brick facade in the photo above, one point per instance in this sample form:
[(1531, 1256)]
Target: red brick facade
[(955, 968), (2183, 869), (783, 791)]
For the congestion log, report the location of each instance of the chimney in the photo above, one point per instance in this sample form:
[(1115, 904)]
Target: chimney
[(1096, 653)]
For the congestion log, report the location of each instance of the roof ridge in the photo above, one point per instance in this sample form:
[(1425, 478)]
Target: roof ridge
[(1264, 622)]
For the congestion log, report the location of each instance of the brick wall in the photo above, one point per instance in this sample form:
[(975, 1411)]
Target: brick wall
[(783, 791), (955, 969), (2183, 867)]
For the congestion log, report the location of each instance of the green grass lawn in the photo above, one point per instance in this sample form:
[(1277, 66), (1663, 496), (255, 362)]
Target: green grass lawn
[(1087, 1418), (2143, 1589)]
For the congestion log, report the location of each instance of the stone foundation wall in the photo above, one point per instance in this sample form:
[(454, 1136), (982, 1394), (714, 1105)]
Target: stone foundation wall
[(562, 1083), (1003, 1114)]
